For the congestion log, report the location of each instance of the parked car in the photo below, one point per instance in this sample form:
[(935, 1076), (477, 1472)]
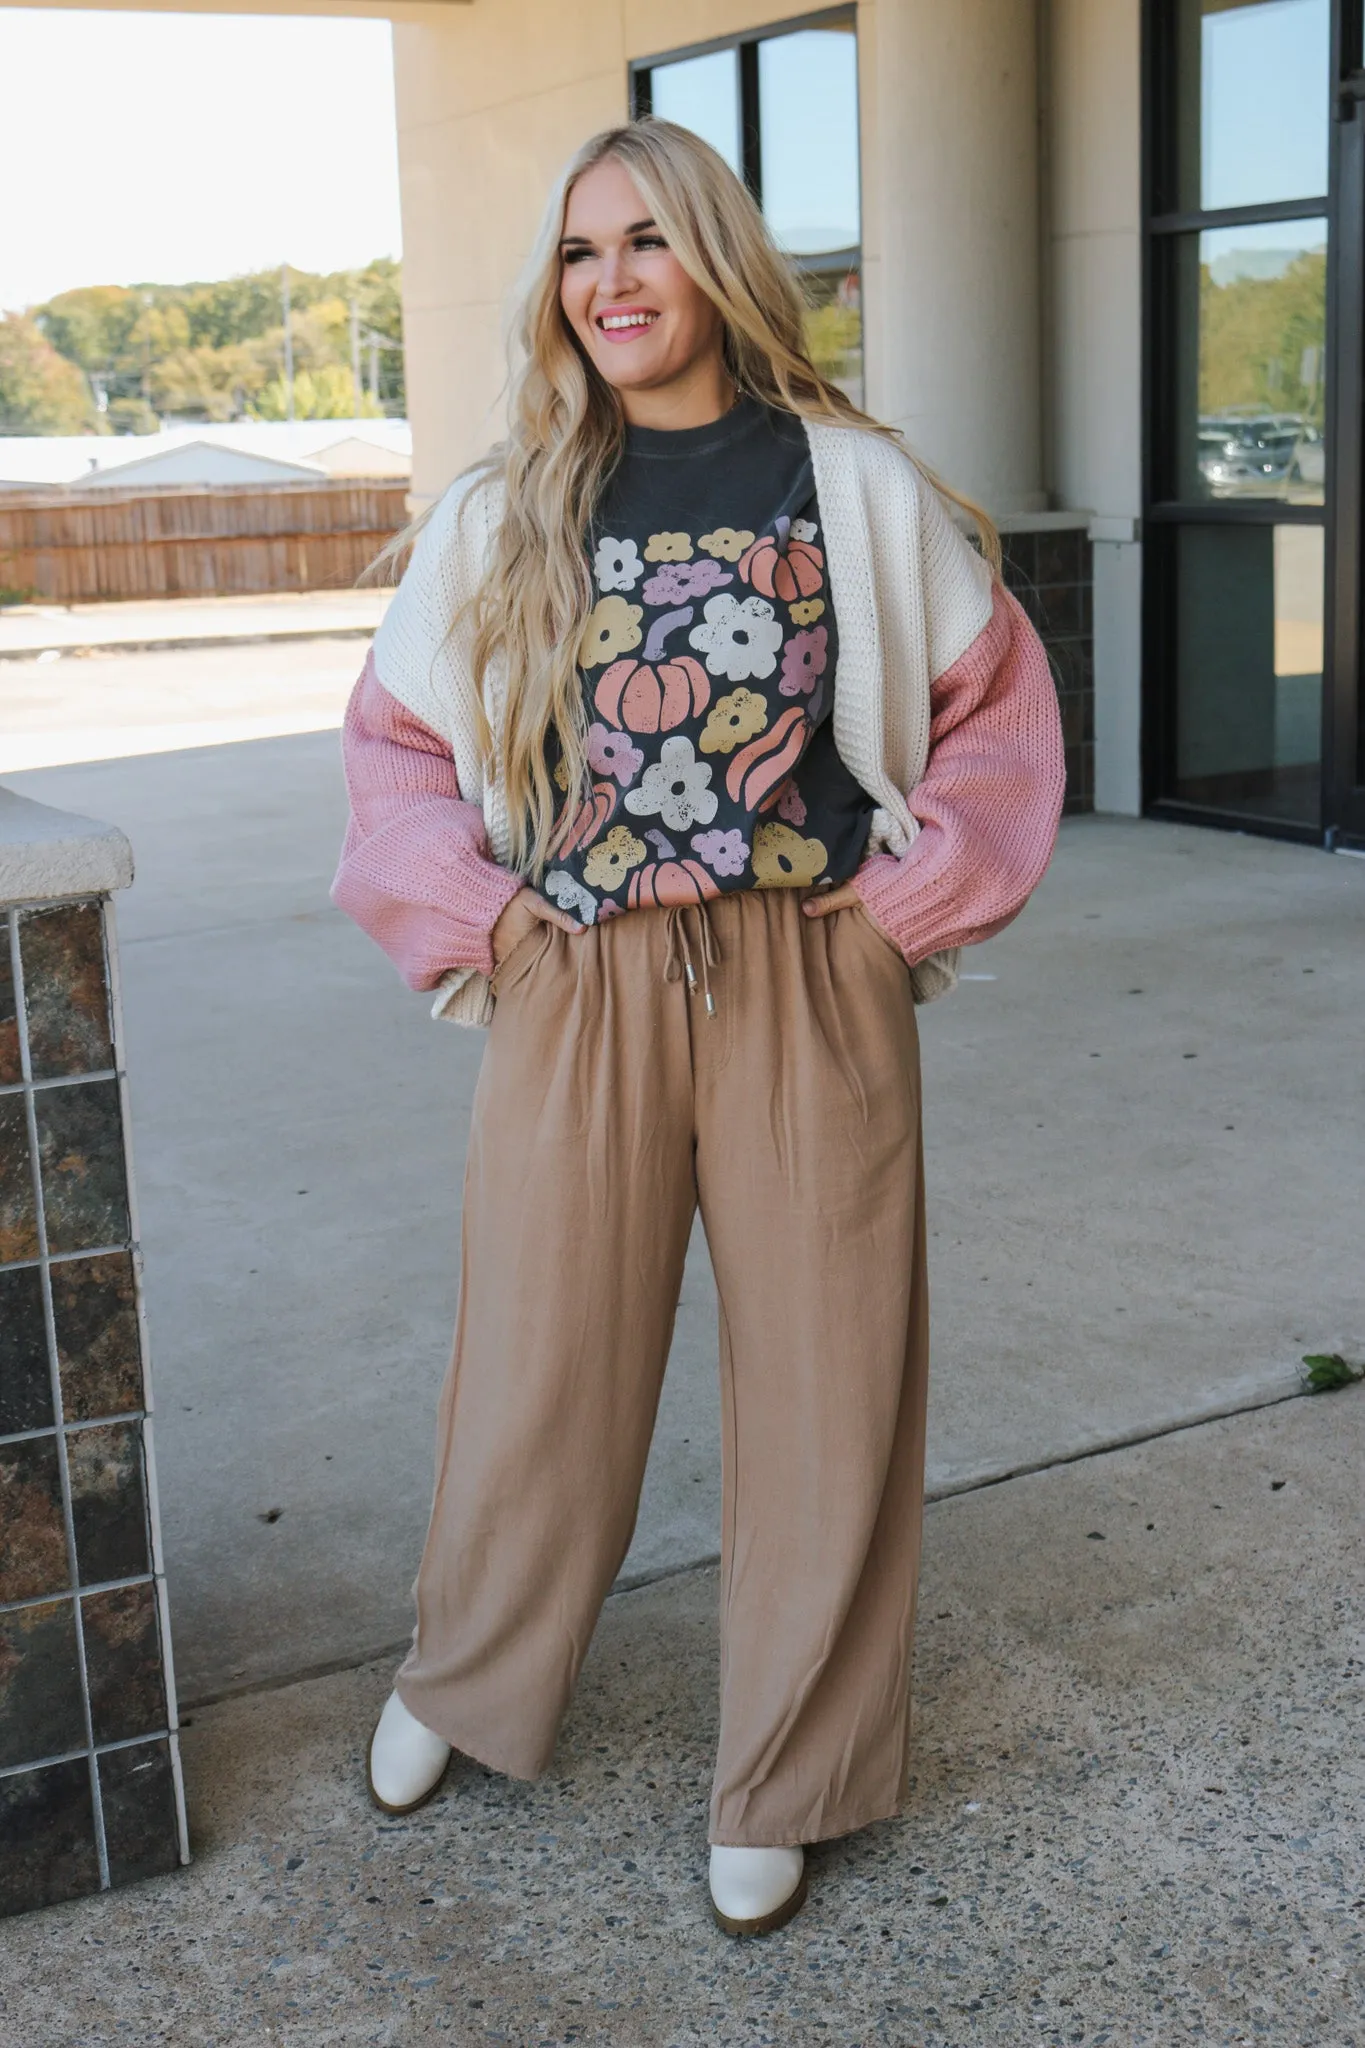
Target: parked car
[(1260, 455)]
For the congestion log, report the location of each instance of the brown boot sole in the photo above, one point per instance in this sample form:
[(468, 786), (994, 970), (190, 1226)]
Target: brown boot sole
[(413, 1804), (767, 1923)]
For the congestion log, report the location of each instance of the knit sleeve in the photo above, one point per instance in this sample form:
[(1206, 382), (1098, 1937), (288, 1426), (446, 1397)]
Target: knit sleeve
[(415, 871), (990, 800)]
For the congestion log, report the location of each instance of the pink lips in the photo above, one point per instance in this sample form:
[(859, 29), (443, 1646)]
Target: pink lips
[(631, 333)]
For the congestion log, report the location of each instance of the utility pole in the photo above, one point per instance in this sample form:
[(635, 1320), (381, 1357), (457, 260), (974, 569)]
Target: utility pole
[(288, 345), (355, 349)]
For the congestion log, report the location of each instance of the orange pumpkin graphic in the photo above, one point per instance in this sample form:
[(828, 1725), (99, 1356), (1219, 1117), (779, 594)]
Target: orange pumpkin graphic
[(666, 882), (782, 568), (758, 768), (583, 825), (655, 692)]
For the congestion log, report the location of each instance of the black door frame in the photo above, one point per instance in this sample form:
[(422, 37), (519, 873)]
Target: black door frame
[(1342, 800), (1344, 665)]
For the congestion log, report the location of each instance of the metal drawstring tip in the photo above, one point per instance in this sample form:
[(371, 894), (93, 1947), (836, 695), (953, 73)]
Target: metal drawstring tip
[(691, 975), (710, 1004)]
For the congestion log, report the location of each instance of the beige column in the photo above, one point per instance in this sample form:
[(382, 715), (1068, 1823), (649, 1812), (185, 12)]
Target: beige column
[(951, 237), (491, 99), (1092, 112)]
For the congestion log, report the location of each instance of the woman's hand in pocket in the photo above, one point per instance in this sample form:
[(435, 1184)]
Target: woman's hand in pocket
[(520, 918), (846, 897)]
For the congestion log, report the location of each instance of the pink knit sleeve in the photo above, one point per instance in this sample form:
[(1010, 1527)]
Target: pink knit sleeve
[(990, 801), (415, 870)]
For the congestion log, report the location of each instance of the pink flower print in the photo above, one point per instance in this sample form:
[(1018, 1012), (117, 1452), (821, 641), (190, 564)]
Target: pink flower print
[(611, 753), (677, 581), (803, 661), (791, 805), (725, 852), (606, 908)]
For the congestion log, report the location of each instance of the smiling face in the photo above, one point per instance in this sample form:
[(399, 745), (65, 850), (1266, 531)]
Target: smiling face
[(644, 325)]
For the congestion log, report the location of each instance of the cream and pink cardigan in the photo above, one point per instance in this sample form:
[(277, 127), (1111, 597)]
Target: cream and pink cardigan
[(945, 711)]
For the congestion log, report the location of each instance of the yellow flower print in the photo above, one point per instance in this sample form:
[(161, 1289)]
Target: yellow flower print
[(726, 542), (784, 860), (613, 627), (733, 719), (807, 611), (612, 859), (669, 547), (562, 773)]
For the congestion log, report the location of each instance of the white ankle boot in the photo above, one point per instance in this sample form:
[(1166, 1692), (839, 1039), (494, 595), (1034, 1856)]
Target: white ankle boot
[(407, 1762), (755, 1891)]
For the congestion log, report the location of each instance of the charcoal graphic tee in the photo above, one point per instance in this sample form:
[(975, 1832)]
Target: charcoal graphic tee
[(708, 664)]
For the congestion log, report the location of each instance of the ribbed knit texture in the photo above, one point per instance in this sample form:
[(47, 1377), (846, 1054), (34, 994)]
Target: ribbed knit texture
[(988, 807), (912, 597), (415, 870)]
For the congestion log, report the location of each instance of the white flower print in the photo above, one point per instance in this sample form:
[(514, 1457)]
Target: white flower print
[(570, 895), (675, 788), (739, 641), (617, 564), (804, 529)]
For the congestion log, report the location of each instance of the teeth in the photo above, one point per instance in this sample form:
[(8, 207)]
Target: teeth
[(628, 319)]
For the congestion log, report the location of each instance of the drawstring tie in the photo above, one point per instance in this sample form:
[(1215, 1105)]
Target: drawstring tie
[(678, 956)]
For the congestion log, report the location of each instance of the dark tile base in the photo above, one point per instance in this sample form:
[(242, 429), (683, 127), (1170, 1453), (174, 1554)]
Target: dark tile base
[(94, 1306), (1052, 575), (32, 1532), (40, 1683), (47, 1837), (85, 1759), (25, 1378), (138, 1794), (123, 1662)]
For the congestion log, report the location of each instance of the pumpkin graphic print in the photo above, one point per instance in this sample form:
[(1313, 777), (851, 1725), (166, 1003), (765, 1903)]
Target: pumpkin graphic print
[(707, 662)]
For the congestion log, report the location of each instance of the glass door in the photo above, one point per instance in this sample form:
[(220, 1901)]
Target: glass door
[(1237, 453)]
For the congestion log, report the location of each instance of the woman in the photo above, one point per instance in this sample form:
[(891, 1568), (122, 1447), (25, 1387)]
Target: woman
[(695, 742)]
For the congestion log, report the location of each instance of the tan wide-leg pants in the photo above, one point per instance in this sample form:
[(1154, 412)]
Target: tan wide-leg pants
[(610, 1102)]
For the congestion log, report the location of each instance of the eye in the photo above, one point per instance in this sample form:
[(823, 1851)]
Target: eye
[(574, 255), (650, 242)]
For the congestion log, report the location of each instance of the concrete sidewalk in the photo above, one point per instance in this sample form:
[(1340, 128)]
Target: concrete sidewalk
[(1144, 1170), (29, 631), (1135, 1819)]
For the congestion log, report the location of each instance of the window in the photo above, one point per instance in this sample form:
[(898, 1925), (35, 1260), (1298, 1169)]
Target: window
[(781, 107), (1237, 250)]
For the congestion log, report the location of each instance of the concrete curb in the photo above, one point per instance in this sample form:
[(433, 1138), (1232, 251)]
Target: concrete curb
[(188, 640)]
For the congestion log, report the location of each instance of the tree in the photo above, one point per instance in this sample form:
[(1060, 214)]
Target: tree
[(41, 392), (325, 394), (215, 351)]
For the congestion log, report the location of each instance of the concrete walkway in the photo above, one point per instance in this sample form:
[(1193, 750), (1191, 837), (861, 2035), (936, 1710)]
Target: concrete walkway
[(30, 630), (1136, 1814), (1137, 1804), (1144, 1170)]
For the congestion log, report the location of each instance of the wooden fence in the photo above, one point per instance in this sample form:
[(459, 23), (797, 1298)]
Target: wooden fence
[(77, 546)]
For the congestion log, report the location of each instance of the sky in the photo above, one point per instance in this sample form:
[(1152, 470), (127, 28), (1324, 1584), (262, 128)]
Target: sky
[(1264, 74), (164, 148)]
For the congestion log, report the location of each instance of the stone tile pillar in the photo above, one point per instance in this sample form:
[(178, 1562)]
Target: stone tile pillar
[(90, 1786)]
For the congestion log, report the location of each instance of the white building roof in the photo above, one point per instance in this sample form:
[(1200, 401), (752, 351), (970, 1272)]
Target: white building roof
[(292, 450)]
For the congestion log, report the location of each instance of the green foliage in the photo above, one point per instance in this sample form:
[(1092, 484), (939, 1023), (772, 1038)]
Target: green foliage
[(325, 394), (1261, 340), (41, 392), (216, 351), (1327, 1372)]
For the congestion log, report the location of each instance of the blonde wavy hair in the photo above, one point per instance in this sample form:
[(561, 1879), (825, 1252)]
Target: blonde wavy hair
[(565, 434)]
